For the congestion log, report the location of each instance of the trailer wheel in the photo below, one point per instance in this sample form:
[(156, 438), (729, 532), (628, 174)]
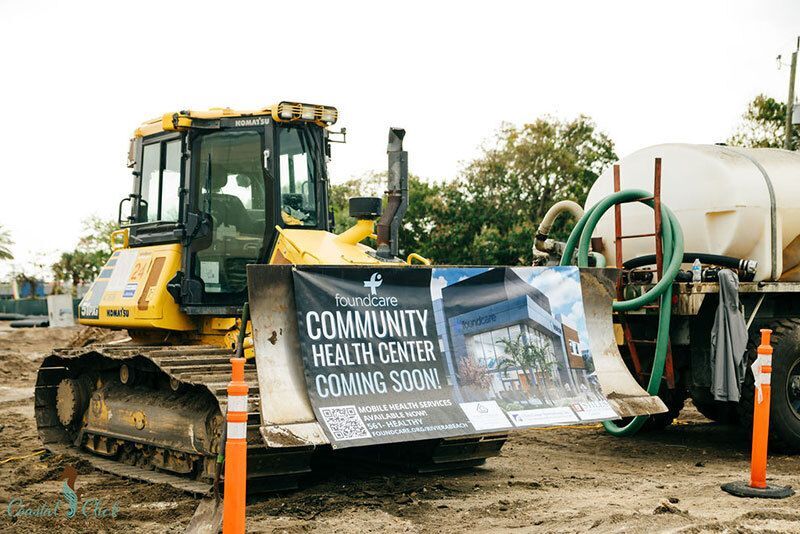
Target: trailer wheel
[(784, 421), (674, 399), (725, 413)]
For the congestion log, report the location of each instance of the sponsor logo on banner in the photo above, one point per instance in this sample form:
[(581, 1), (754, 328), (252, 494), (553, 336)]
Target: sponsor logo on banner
[(543, 416), (485, 415), (588, 411)]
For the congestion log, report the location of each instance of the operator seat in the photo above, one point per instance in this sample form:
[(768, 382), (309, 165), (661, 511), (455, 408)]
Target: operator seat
[(228, 209)]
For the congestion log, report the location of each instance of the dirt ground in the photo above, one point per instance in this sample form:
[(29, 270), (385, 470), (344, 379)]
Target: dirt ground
[(572, 479)]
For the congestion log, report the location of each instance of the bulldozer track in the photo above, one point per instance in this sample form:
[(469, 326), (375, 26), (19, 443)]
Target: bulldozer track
[(132, 472), (198, 365), (268, 469)]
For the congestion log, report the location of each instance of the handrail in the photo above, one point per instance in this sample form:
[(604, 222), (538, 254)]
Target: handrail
[(113, 237), (415, 256)]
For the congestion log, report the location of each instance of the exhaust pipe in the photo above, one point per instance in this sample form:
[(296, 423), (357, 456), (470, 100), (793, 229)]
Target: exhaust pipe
[(389, 224)]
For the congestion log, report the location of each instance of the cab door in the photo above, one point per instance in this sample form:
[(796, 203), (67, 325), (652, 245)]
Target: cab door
[(157, 196), (233, 196)]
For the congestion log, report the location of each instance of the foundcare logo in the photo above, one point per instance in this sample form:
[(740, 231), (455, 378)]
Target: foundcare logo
[(373, 300), (373, 283), (72, 505)]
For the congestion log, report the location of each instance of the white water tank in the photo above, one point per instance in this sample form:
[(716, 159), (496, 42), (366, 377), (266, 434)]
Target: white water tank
[(739, 202)]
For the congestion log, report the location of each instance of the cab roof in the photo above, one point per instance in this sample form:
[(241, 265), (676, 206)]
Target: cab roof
[(281, 112)]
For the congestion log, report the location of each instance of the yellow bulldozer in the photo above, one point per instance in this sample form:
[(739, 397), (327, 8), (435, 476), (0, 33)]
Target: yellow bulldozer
[(213, 193)]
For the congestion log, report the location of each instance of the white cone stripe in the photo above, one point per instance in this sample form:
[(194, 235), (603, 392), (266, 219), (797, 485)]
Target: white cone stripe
[(237, 430), (758, 379), (237, 403), (766, 379), (765, 359)]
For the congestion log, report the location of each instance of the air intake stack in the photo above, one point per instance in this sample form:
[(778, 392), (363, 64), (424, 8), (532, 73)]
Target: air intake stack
[(397, 192)]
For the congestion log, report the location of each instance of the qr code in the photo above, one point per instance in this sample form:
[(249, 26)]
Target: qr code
[(344, 423)]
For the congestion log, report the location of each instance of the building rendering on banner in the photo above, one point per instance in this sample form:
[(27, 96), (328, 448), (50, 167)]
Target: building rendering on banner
[(487, 324)]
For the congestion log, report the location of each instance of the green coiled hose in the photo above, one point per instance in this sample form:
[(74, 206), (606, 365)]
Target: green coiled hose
[(672, 245)]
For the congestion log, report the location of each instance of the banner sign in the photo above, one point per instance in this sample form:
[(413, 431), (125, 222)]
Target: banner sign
[(398, 354)]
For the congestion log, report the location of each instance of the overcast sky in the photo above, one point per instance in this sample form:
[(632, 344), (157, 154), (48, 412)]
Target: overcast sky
[(78, 77)]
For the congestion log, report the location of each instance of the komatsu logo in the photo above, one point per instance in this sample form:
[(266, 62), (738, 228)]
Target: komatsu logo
[(121, 312), (258, 121), (373, 283)]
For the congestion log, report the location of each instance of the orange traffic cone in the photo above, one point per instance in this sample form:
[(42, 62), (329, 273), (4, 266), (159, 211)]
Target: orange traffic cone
[(235, 495), (758, 487)]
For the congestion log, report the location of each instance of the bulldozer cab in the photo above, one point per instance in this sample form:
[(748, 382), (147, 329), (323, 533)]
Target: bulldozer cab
[(219, 186)]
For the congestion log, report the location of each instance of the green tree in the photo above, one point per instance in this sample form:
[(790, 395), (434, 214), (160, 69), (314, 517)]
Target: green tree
[(5, 245), (27, 284), (83, 264), (763, 125), (369, 185), (338, 196), (527, 170), (97, 234), (420, 218), (416, 222), (532, 357), (488, 216), (442, 223)]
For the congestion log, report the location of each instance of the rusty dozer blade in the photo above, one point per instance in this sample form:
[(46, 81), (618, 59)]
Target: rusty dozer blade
[(620, 387), (287, 419)]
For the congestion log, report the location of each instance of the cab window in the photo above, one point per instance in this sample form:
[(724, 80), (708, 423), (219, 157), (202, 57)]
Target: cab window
[(161, 174)]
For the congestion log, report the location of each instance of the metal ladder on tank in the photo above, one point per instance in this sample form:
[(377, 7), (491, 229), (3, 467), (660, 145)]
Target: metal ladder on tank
[(669, 371)]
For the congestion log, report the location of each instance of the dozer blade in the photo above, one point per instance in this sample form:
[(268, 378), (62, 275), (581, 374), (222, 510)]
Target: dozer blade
[(620, 387), (287, 419), (288, 416)]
